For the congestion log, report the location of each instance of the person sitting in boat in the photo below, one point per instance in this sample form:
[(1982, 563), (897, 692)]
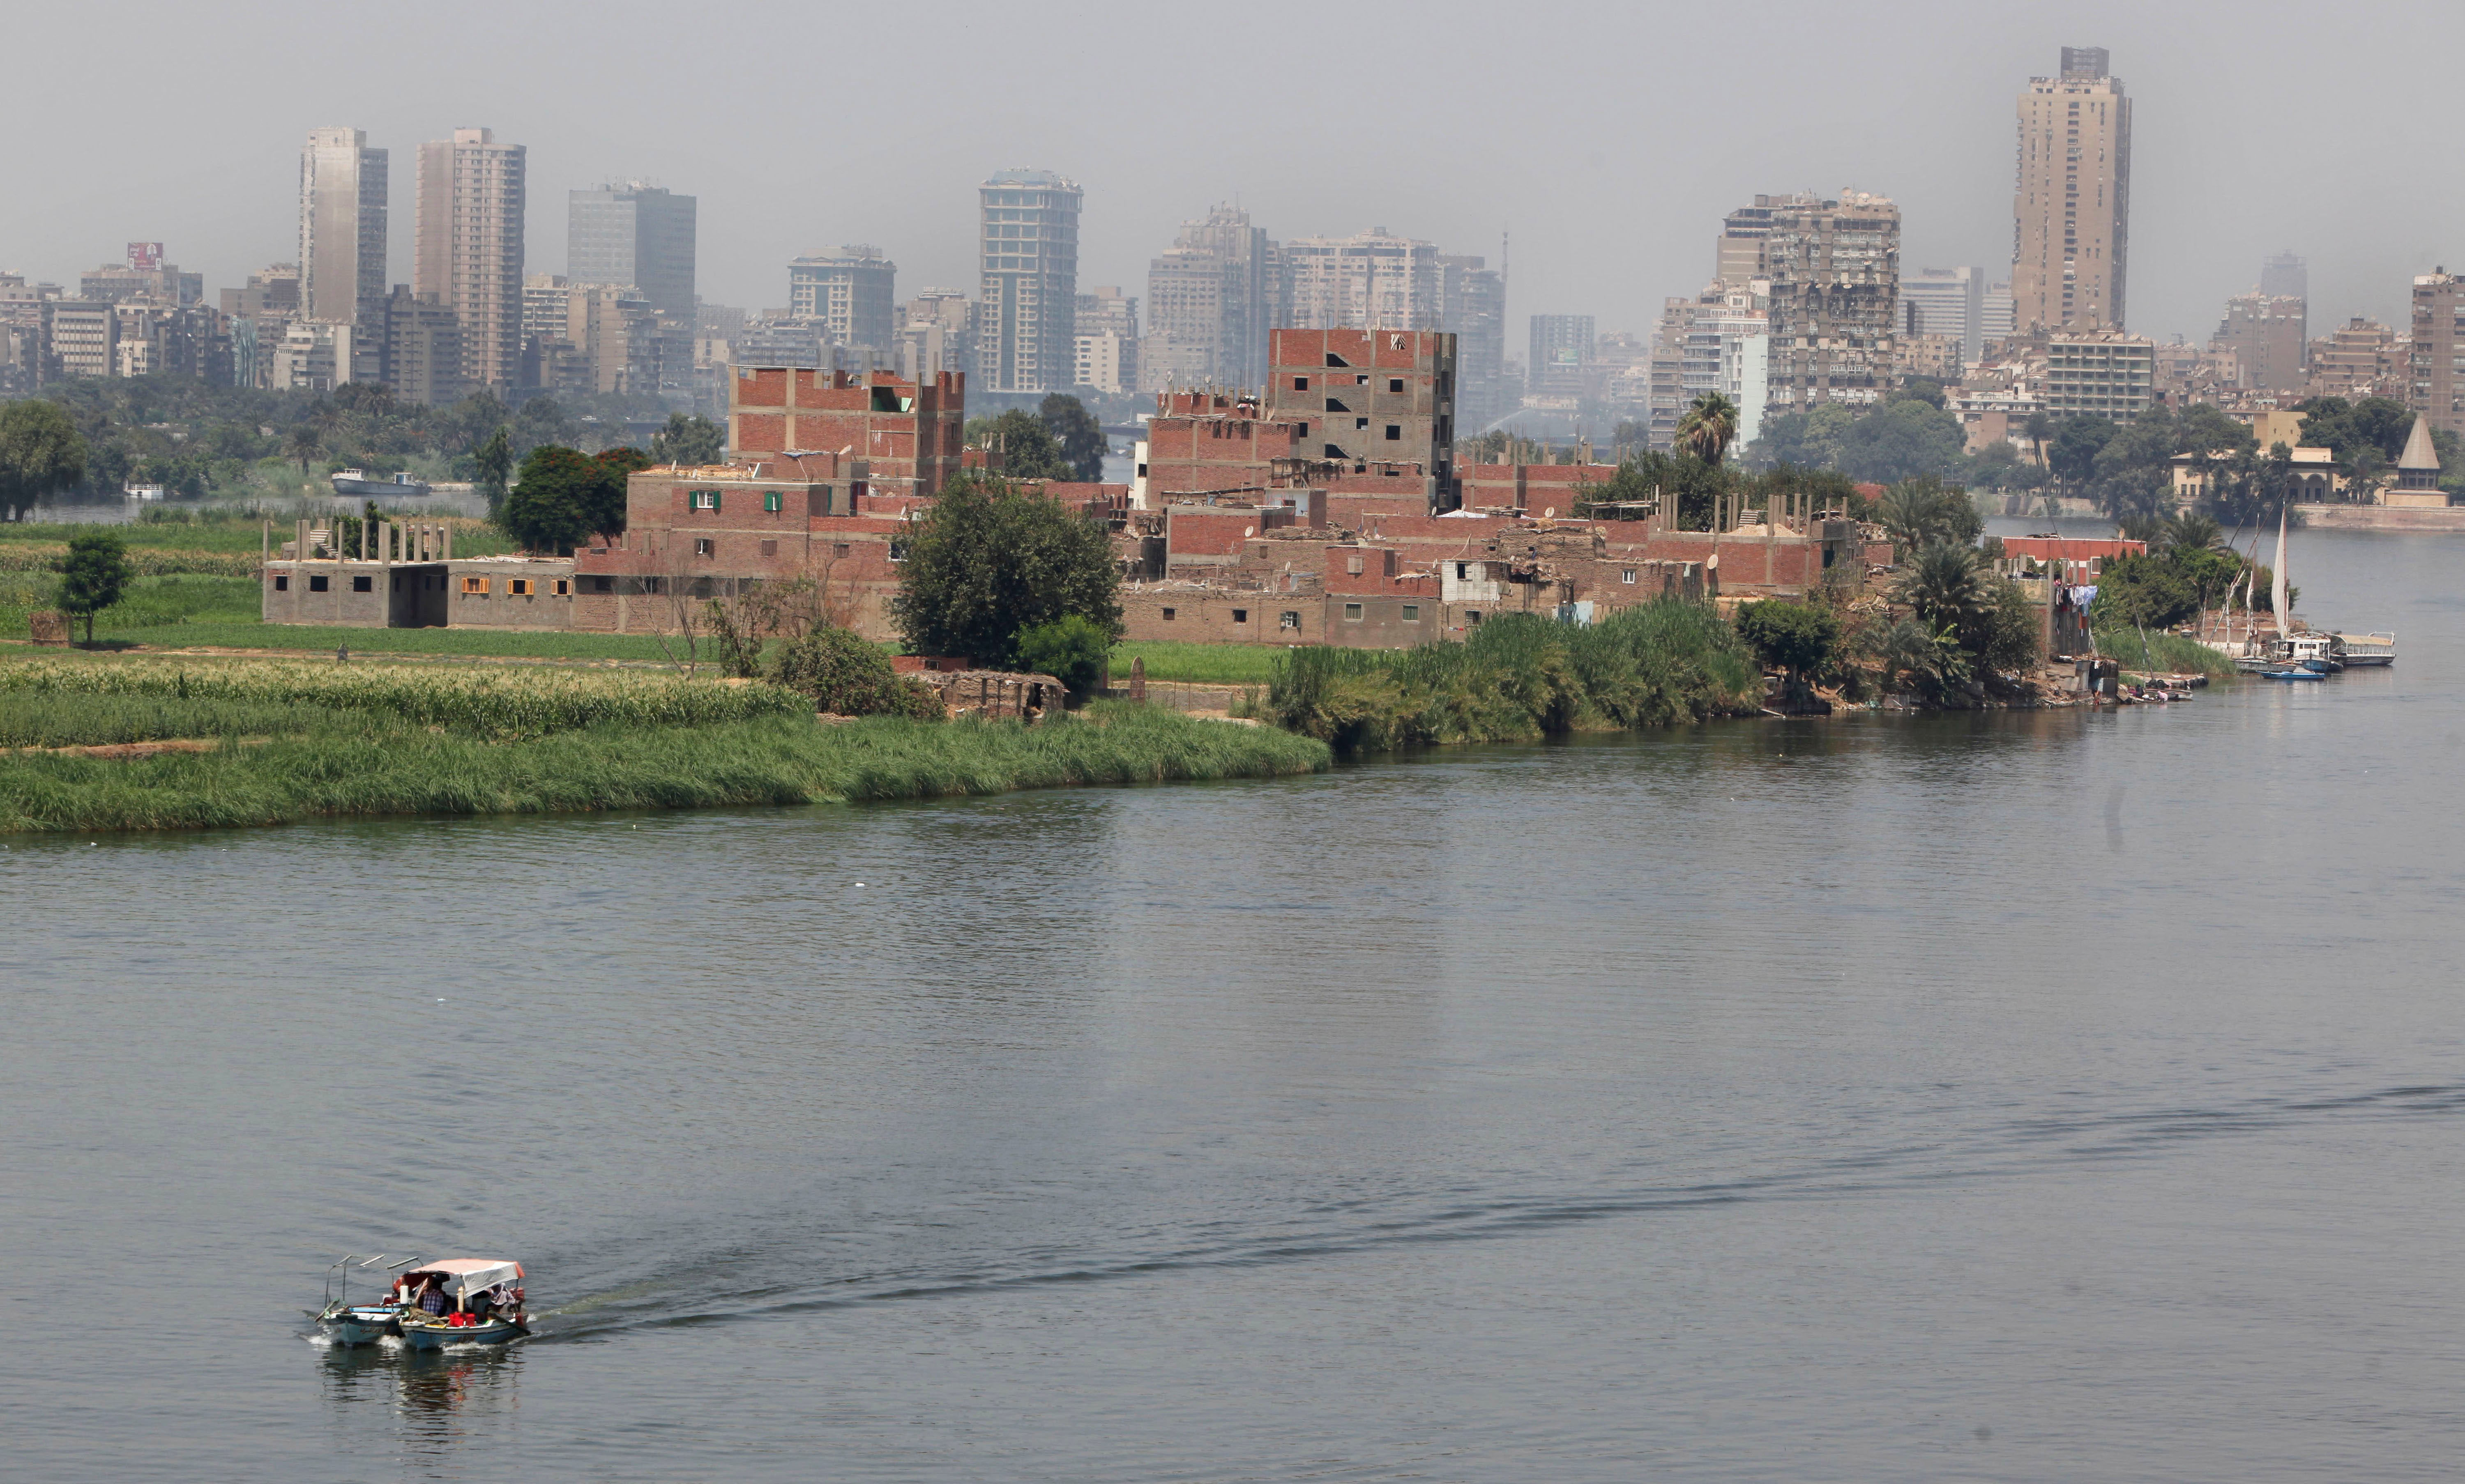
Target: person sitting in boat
[(431, 1297)]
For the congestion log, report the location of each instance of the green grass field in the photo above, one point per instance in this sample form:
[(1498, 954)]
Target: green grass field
[(313, 638), (1198, 664), (237, 536)]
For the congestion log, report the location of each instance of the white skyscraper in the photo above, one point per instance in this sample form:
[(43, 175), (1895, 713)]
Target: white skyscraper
[(1027, 318), (342, 230)]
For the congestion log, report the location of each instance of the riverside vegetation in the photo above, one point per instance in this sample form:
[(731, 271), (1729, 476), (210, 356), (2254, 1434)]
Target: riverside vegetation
[(293, 742)]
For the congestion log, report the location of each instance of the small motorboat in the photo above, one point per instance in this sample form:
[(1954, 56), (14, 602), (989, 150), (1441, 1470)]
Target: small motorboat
[(344, 1323), (2296, 673), (461, 1302)]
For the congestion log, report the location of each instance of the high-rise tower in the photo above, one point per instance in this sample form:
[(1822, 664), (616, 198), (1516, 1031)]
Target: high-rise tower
[(342, 229), (635, 235), (468, 251), (1026, 321), (2071, 213)]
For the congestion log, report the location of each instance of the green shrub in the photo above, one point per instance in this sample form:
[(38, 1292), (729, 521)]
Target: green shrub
[(1069, 649), (849, 676), (1800, 638)]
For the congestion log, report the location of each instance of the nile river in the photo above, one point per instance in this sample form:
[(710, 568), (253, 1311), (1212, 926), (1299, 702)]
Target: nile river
[(2021, 1096)]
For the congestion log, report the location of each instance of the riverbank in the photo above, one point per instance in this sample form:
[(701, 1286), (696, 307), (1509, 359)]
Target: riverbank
[(360, 765)]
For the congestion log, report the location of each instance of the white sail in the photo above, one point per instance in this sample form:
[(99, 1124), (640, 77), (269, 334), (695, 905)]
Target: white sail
[(2277, 598)]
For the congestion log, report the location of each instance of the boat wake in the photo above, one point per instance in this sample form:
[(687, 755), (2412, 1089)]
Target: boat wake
[(780, 1270)]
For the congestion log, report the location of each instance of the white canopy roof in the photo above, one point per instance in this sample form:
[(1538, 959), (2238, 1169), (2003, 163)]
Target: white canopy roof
[(468, 1275)]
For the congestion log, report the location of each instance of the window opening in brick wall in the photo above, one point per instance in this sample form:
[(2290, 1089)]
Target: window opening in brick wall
[(475, 584), (1301, 384), (1411, 613), (1168, 615), (317, 584), (603, 585), (1332, 359), (1241, 615), (769, 548), (899, 551), (1463, 571), (1361, 422), (1289, 618), (705, 546), (518, 588), (1395, 384), (282, 584), (1625, 574), (364, 584), (1472, 617), (1352, 612), (770, 501), (703, 500), (1362, 380), (564, 586), (840, 549), (1394, 432), (1353, 564)]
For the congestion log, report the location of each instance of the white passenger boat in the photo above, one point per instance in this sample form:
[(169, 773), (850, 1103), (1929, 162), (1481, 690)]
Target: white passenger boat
[(461, 1302), (2368, 649)]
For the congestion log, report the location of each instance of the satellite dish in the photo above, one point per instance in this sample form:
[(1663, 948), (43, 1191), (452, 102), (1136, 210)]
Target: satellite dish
[(1548, 512), (1249, 530)]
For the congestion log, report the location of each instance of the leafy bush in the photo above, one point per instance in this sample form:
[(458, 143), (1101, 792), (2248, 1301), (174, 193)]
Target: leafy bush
[(1518, 677), (1800, 638), (2146, 591), (989, 561), (848, 676), (1069, 649)]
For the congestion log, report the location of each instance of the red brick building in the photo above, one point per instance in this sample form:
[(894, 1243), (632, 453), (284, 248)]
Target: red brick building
[(910, 433), (1365, 397)]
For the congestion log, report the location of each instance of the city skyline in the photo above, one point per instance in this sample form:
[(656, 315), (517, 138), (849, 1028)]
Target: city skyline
[(1604, 226)]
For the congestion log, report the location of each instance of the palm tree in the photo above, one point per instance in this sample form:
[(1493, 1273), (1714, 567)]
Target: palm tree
[(1709, 427), (1944, 585), (304, 445), (2191, 531), (2038, 430)]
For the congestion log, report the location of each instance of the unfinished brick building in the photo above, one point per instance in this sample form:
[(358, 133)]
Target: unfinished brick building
[(1365, 397), (909, 433)]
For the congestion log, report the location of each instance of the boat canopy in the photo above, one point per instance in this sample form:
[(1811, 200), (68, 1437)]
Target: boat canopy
[(463, 1277)]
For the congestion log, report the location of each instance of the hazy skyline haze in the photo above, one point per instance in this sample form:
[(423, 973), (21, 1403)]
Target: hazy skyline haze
[(1608, 140)]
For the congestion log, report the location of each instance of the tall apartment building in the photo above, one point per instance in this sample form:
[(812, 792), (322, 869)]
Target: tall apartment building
[(1946, 301), (1720, 341), (1997, 315), (631, 233), (1211, 298), (1368, 397), (2099, 373), (1471, 307), (467, 251), (82, 337), (853, 293), (1562, 352), (423, 350), (615, 330), (1106, 345), (1371, 281), (2361, 358), (1835, 273), (935, 332), (2264, 334), (2285, 277), (343, 195), (2438, 338), (1027, 307), (2071, 211)]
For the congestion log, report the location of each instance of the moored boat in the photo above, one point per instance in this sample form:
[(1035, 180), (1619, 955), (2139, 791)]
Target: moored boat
[(462, 1301), (2295, 673), (2368, 649), (344, 1323)]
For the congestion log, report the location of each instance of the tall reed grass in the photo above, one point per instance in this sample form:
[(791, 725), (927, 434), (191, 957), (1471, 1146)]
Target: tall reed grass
[(1519, 678), (770, 761), (2162, 654)]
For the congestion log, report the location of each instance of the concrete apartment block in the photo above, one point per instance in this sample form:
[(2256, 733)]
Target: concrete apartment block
[(1027, 310), (2071, 209), (468, 247), (2438, 392), (1369, 396), (343, 200), (910, 433), (853, 293)]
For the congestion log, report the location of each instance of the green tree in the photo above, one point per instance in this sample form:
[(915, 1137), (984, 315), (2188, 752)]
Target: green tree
[(95, 573), (1948, 588), (1801, 638), (2145, 591), (688, 441), (1924, 511), (606, 510), (2038, 429), (1023, 447), (1077, 436), (303, 444), (551, 508), (1069, 649), (989, 561), (2072, 457), (1916, 658), (494, 462), (1709, 427), (41, 454)]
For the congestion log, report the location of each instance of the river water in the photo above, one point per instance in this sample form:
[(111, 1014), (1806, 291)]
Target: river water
[(2013, 1097)]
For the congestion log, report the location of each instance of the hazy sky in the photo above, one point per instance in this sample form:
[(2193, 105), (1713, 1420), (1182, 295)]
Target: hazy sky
[(1609, 139)]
